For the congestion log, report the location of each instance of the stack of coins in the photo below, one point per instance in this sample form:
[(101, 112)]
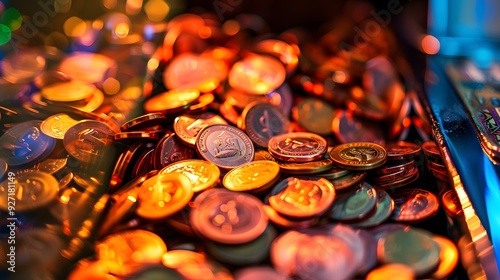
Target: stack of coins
[(246, 162), (434, 161)]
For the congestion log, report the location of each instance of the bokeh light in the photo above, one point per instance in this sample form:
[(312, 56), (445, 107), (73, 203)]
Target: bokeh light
[(109, 4), (133, 7), (5, 34), (74, 27), (156, 10), (12, 19), (430, 44)]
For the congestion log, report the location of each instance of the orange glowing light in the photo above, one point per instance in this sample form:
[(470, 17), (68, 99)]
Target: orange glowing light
[(430, 44), (109, 4), (122, 30), (133, 7), (318, 89), (205, 32), (231, 27), (406, 122), (156, 10), (111, 86), (357, 93), (74, 27)]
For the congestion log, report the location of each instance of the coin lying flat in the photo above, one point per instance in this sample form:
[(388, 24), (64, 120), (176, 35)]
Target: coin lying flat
[(88, 67), (23, 65), (414, 205), (73, 90), (297, 146), (188, 127), (128, 251), (352, 179), (193, 265), (355, 204), (314, 115), (24, 143), (302, 198), (225, 146), (201, 173), (87, 139), (163, 195), (385, 207), (171, 102), (56, 126), (359, 155), (401, 150), (288, 223), (228, 217), (252, 176), (262, 121)]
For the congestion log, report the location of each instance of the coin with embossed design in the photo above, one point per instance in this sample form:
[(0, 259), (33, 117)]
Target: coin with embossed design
[(201, 173), (414, 205), (252, 176), (297, 146), (55, 126), (225, 146), (187, 127), (262, 121), (302, 198), (354, 205), (87, 139), (359, 155), (169, 150), (228, 217)]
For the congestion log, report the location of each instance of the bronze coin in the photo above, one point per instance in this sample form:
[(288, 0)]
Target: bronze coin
[(144, 122), (297, 147), (122, 165), (406, 180), (401, 150), (414, 205), (262, 121), (314, 115), (348, 128), (225, 146), (392, 177), (451, 203), (229, 113), (389, 169), (431, 149), (201, 104), (144, 163), (169, 150), (187, 127)]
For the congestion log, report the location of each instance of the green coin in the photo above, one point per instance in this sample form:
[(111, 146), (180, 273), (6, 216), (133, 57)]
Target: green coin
[(412, 247), (385, 207), (252, 252), (354, 205)]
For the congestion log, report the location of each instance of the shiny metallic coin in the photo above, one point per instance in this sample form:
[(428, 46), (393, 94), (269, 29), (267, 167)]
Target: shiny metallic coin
[(259, 272), (355, 204), (352, 179), (50, 165), (359, 155), (280, 50), (414, 205), (189, 70), (314, 115), (156, 272), (92, 103), (297, 147), (367, 105), (348, 128), (33, 190), (169, 150), (252, 176), (448, 256), (256, 74), (302, 198), (409, 178), (122, 166), (390, 169), (163, 195), (228, 217), (384, 209), (431, 150), (194, 266), (87, 139), (302, 168), (171, 102), (225, 146), (144, 163), (22, 66), (88, 67), (263, 155), (441, 168), (392, 177), (65, 181), (201, 173), (240, 100), (143, 122), (201, 104), (73, 90), (402, 119), (128, 251), (250, 253), (451, 203), (229, 113), (282, 97), (187, 127), (136, 136), (333, 173), (286, 223), (401, 150), (24, 144), (262, 121), (392, 271), (56, 126), (284, 251), (413, 247)]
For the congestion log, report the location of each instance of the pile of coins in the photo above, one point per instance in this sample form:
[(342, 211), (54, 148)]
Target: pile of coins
[(253, 158)]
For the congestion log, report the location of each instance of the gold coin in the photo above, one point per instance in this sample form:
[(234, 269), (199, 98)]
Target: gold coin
[(128, 251), (252, 176), (69, 91), (201, 173), (172, 101), (302, 168), (359, 155), (89, 67), (94, 101), (448, 256), (56, 126), (163, 195), (394, 271), (194, 266)]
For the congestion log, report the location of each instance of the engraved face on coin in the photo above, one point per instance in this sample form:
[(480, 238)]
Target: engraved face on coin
[(298, 146), (262, 121), (24, 143), (414, 205), (201, 173), (169, 150), (56, 126), (252, 176), (302, 198), (87, 139), (187, 127), (228, 217), (257, 74), (359, 155), (224, 145)]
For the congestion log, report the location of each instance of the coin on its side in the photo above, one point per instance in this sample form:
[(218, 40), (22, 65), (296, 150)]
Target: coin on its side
[(297, 147)]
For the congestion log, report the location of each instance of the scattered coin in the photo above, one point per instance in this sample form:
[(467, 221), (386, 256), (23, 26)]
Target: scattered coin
[(297, 147), (359, 155), (414, 205)]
